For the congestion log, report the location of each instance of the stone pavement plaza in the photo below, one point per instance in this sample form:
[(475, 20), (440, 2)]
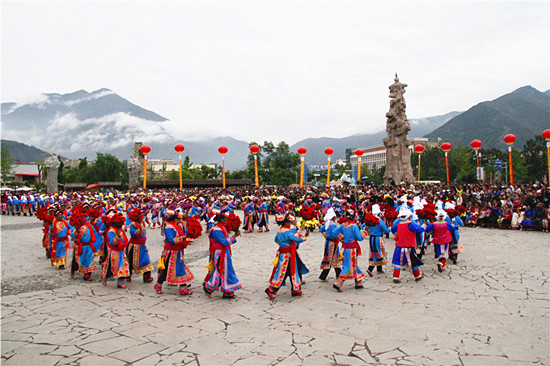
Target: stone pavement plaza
[(490, 309)]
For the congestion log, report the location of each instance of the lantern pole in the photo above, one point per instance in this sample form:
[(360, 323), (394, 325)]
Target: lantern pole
[(419, 160), (447, 165), (546, 136), (358, 169), (328, 172), (302, 151), (511, 166), (509, 139), (223, 171), (145, 171), (256, 170), (301, 171), (181, 183)]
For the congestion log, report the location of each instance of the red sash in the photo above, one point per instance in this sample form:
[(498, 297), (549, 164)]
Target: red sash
[(120, 246), (81, 244), (139, 241), (352, 245)]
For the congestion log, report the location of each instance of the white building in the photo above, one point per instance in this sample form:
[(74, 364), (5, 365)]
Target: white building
[(375, 156)]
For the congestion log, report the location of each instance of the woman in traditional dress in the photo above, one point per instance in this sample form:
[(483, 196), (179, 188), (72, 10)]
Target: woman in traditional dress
[(286, 259), (172, 267), (442, 238), (59, 240), (350, 235), (263, 216), (84, 244), (138, 255), (116, 261), (378, 255), (405, 245), (223, 277), (331, 252)]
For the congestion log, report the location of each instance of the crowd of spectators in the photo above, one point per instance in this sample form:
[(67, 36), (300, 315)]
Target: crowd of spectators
[(522, 206)]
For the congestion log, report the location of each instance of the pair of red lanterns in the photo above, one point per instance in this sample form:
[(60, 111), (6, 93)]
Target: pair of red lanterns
[(420, 149), (476, 145)]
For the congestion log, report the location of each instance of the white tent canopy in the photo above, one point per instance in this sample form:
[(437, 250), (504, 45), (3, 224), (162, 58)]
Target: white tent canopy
[(24, 189)]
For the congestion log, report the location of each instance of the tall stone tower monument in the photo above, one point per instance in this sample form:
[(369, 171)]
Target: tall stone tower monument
[(135, 166), (398, 156)]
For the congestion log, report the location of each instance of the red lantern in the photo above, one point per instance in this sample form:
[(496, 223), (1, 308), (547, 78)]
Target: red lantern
[(145, 149), (359, 152), (419, 148), (446, 146), (329, 151), (510, 138), (302, 150), (546, 134), (222, 150), (476, 144), (254, 149), (179, 148)]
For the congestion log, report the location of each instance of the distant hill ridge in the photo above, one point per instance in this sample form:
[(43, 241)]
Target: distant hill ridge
[(24, 153), (524, 112)]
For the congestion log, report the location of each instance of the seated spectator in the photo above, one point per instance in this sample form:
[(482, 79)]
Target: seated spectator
[(528, 218), (506, 219)]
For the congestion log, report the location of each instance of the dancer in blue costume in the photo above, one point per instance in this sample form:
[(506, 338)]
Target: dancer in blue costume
[(286, 260), (138, 255), (84, 245), (223, 277), (455, 246), (59, 240), (116, 261), (331, 253), (263, 217), (350, 236), (172, 266), (248, 222), (378, 255)]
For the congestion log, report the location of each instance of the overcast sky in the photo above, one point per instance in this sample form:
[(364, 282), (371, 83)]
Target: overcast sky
[(276, 70)]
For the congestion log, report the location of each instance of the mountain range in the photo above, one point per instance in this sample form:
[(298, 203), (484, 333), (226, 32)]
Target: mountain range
[(524, 112), (82, 123)]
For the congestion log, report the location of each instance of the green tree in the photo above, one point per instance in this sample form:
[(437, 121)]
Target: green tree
[(186, 162), (174, 174), (534, 154), (462, 165), (281, 166), (6, 163), (107, 168)]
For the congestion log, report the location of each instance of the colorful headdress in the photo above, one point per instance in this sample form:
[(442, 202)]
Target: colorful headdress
[(136, 214), (77, 219), (170, 215)]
